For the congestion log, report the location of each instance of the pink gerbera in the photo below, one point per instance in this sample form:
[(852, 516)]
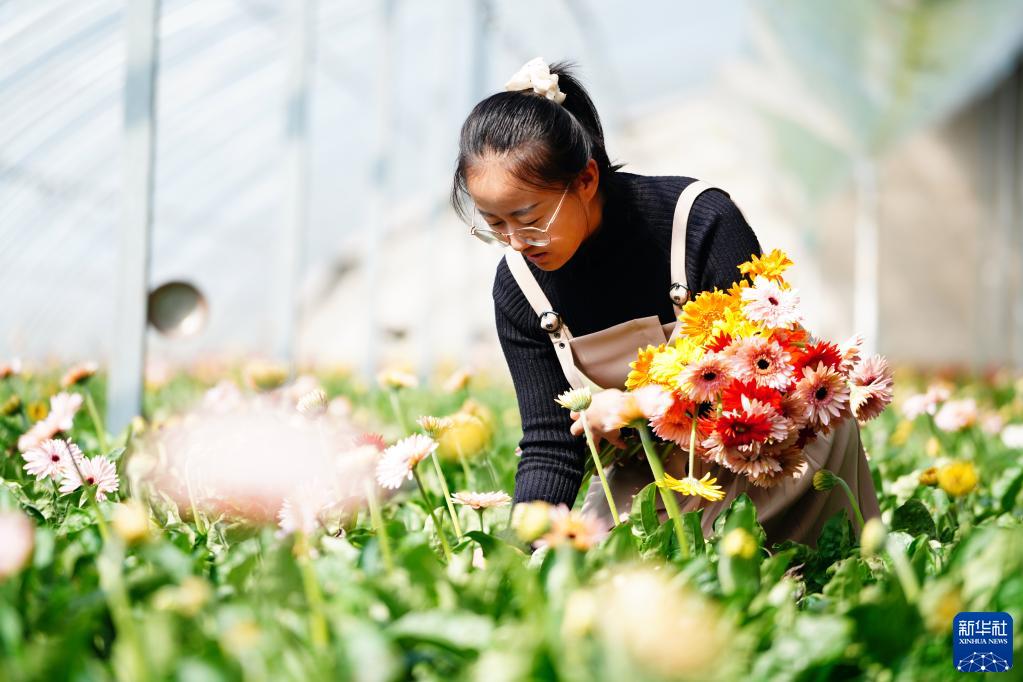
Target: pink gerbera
[(826, 394), (398, 461), (704, 379), (770, 304), (872, 387), (63, 408), (98, 472), (47, 459), (763, 361), (779, 461)]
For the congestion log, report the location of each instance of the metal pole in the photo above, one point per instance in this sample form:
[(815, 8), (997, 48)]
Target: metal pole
[(127, 366), (291, 252)]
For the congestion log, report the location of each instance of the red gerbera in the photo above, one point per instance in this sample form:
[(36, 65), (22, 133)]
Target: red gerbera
[(718, 342), (731, 397), (740, 428), (816, 353)]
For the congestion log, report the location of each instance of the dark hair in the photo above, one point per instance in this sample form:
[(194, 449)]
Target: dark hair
[(548, 143)]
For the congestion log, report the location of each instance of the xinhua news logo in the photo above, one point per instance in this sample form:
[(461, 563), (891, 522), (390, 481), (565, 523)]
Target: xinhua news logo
[(982, 642)]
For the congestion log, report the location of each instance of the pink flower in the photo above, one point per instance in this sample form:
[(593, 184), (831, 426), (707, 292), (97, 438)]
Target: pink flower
[(851, 352), (826, 393), (872, 387), (572, 527), (17, 539), (770, 304), (956, 415), (48, 458), (40, 431), (63, 408), (763, 361), (91, 471), (704, 379), (925, 403), (646, 403), (398, 461)]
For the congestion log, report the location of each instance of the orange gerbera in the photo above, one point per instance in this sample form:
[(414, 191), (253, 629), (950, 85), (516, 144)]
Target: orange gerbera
[(700, 314), (770, 265), (639, 375)]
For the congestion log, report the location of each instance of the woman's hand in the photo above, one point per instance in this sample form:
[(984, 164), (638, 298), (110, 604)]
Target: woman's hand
[(596, 414)]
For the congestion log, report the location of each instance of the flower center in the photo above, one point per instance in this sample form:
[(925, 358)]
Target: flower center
[(772, 300), (740, 428), (90, 480), (821, 393), (54, 458), (710, 376), (763, 363)]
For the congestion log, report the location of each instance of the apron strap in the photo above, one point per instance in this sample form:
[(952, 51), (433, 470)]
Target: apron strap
[(679, 289), (549, 320)]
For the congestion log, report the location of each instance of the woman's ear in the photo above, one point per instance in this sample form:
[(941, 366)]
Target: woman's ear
[(588, 180)]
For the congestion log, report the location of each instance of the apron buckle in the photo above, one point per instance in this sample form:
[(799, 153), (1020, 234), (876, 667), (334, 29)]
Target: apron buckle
[(550, 321), (679, 293)]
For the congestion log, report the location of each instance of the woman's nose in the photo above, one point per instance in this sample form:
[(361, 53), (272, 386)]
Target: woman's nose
[(516, 243)]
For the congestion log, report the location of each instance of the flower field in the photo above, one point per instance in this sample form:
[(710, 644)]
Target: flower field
[(261, 528)]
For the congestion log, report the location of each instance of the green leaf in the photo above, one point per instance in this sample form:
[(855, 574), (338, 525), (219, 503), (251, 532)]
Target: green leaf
[(1007, 488), (914, 518), (461, 632), (694, 531), (644, 512)]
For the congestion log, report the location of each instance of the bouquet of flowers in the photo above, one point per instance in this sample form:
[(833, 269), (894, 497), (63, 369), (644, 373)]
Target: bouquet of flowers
[(745, 386)]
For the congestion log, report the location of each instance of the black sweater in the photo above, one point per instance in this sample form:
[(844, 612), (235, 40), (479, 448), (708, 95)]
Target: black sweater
[(620, 272)]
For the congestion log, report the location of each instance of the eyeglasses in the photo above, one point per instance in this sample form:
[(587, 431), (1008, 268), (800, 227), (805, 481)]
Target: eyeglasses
[(533, 236)]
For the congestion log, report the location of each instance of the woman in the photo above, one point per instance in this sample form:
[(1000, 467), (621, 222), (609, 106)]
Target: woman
[(600, 261)]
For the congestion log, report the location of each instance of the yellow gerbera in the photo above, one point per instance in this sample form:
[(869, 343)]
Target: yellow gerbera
[(958, 478), (698, 315), (665, 365), (737, 326), (705, 487), (640, 372), (770, 265)]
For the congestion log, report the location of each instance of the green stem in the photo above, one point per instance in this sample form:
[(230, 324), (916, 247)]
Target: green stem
[(104, 530), (429, 509), (852, 501), (313, 595), (600, 469), (447, 495), (112, 582), (480, 512), (904, 571), (378, 523), (398, 412), (667, 495), (692, 448), (465, 465), (101, 431)]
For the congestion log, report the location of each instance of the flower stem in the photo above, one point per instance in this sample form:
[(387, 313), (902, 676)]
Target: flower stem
[(447, 495), (378, 524), (852, 501), (692, 448), (317, 620), (104, 531), (111, 579), (399, 414), (904, 571), (600, 469), (668, 496), (480, 512), (101, 431), (429, 509)]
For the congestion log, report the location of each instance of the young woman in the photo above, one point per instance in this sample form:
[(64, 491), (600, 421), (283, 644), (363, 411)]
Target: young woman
[(600, 261)]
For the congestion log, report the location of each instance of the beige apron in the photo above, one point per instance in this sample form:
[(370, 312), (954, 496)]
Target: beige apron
[(790, 510)]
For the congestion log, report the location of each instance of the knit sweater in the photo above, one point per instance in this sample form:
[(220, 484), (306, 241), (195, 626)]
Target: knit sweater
[(621, 271)]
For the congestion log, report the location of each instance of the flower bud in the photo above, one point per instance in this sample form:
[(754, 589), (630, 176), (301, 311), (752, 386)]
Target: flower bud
[(530, 520), (929, 476), (824, 480), (739, 542), (873, 537), (131, 521), (577, 400)]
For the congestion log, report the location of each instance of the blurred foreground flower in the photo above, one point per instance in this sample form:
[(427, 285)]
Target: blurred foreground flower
[(530, 520), (482, 500), (17, 539), (573, 528), (131, 521), (958, 478)]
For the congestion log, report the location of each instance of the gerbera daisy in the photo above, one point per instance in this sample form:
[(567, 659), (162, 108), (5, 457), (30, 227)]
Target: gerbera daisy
[(826, 394), (482, 500), (718, 342), (704, 379), (779, 461), (63, 408), (763, 361), (398, 461), (699, 315), (665, 366), (705, 487), (313, 403), (955, 415), (820, 352), (737, 325), (40, 431), (576, 400), (769, 303), (78, 374), (90, 471), (770, 265), (572, 527), (731, 397), (639, 375), (851, 352), (675, 423), (47, 459), (872, 387), (646, 403)]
